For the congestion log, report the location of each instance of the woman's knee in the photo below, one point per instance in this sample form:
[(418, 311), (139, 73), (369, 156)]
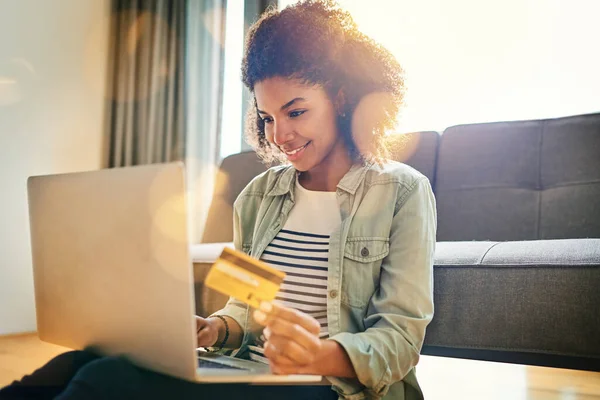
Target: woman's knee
[(107, 368), (59, 370), (75, 359), (50, 379), (104, 378)]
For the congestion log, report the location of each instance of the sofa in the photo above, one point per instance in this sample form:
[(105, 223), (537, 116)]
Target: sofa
[(517, 262)]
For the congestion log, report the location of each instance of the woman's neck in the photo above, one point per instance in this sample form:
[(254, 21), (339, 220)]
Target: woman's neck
[(326, 176)]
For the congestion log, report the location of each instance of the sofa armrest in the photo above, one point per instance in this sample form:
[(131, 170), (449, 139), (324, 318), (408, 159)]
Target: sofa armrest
[(207, 252), (203, 256), (529, 302)]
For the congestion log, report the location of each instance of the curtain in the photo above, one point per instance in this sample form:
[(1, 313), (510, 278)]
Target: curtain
[(146, 83), (166, 89), (204, 96)]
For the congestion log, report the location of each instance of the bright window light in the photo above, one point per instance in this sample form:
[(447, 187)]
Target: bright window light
[(469, 61), (231, 115)]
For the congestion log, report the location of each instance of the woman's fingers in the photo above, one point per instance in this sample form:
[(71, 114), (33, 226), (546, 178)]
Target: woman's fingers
[(274, 354), (205, 338), (288, 368), (292, 336), (272, 311), (296, 333), (293, 332), (283, 351), (205, 333)]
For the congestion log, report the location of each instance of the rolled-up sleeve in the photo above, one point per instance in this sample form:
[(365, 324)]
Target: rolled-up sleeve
[(402, 306)]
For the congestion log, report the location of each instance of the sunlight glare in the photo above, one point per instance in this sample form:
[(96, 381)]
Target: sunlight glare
[(469, 61)]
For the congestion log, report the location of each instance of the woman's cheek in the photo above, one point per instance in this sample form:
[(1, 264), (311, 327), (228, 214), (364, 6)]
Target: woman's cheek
[(269, 134)]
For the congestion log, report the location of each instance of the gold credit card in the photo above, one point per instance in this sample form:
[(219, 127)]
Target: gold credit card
[(245, 278)]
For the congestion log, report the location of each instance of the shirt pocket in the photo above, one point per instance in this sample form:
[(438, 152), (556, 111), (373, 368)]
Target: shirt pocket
[(362, 261)]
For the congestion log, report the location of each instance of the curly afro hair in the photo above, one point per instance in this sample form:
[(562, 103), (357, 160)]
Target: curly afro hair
[(317, 42)]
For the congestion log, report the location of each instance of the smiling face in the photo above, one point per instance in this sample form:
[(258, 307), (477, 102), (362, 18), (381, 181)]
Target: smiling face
[(300, 120)]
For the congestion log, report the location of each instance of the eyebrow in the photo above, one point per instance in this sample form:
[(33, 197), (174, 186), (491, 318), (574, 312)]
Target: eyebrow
[(286, 105)]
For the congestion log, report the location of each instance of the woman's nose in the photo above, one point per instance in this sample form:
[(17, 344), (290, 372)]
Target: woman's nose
[(282, 133)]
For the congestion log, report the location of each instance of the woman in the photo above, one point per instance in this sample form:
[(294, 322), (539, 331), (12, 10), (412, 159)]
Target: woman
[(354, 233)]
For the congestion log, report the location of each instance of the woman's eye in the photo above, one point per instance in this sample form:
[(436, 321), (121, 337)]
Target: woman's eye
[(267, 120), (298, 113)]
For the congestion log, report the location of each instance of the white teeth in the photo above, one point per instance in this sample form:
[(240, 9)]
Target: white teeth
[(297, 150)]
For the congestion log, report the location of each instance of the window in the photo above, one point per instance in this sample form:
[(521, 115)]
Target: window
[(479, 61), (231, 115), (469, 61), (466, 61)]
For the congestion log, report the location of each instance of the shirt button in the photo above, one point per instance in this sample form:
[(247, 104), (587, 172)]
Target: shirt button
[(364, 252), (333, 294)]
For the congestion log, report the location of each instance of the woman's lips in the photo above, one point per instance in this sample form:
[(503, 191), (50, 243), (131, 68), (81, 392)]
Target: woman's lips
[(296, 153)]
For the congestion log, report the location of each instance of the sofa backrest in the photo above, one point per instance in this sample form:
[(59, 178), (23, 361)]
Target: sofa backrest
[(522, 180), (235, 172), (419, 150)]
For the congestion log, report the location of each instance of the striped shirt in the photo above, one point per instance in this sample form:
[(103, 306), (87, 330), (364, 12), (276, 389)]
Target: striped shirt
[(300, 250)]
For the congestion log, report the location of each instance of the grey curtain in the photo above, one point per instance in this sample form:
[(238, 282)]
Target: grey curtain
[(166, 89), (146, 83)]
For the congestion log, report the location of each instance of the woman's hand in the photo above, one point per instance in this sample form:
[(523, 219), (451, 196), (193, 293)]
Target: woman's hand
[(207, 331), (292, 339)]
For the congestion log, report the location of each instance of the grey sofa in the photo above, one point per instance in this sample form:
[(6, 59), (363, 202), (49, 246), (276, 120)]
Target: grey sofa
[(517, 265)]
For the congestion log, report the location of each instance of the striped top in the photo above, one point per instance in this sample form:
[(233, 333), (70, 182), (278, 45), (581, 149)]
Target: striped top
[(300, 250)]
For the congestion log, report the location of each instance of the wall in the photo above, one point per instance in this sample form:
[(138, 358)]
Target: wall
[(53, 68)]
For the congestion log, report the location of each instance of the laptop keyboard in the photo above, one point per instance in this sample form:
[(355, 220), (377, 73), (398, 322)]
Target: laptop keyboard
[(202, 363)]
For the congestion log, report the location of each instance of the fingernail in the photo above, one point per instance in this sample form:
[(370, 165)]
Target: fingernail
[(259, 316), (266, 306)]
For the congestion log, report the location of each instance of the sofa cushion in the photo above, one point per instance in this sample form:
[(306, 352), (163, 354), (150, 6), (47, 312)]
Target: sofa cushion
[(520, 180), (531, 297)]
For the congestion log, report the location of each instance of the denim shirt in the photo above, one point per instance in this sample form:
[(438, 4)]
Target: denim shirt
[(380, 274)]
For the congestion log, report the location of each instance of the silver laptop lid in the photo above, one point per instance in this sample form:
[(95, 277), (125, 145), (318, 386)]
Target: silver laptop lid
[(111, 264)]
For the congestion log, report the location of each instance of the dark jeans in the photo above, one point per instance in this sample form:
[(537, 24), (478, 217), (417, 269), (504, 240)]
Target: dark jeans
[(84, 375)]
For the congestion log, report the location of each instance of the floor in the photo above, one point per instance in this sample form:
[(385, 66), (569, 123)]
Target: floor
[(440, 378)]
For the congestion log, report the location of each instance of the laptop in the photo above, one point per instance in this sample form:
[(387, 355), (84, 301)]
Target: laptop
[(112, 272)]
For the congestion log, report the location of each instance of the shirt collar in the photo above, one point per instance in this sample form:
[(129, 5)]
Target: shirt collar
[(349, 182)]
